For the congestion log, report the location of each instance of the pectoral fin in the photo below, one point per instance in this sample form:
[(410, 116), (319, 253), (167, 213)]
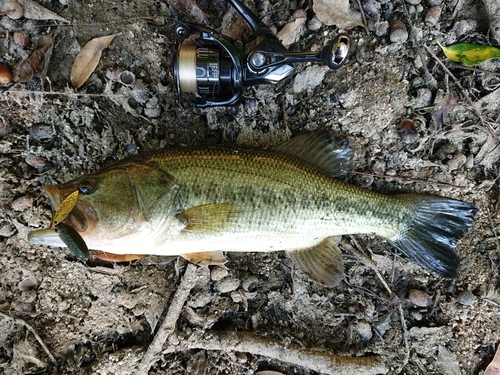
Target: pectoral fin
[(209, 218), (322, 263), (207, 258)]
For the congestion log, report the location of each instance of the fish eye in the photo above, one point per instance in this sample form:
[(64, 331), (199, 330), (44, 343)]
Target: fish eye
[(86, 187)]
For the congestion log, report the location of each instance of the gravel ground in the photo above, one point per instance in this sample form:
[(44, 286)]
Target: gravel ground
[(414, 127)]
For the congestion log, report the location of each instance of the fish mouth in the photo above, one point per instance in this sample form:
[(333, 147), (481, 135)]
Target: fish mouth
[(80, 216)]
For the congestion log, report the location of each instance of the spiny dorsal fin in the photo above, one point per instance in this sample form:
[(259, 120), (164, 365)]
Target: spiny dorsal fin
[(322, 263), (209, 218), (206, 258), (325, 150)]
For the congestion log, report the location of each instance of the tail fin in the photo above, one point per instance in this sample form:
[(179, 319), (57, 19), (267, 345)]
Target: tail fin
[(431, 231)]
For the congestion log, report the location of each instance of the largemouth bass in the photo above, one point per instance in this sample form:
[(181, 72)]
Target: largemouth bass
[(199, 203)]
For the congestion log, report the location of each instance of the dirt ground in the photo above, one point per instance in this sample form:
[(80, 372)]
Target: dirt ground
[(260, 315)]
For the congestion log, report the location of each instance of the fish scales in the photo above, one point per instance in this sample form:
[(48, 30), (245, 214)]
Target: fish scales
[(279, 191)]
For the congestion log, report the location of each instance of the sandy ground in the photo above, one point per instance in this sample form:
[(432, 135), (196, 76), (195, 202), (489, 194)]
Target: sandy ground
[(58, 315)]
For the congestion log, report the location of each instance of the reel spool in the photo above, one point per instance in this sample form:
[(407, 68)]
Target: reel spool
[(217, 68)]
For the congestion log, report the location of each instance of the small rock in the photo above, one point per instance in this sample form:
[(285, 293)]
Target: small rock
[(218, 273), (22, 203), (399, 34), (464, 27), (434, 2), (364, 330), (423, 99), (41, 132), (27, 284), (379, 167), (314, 24), (419, 298), (227, 285), (413, 2), (310, 78), (242, 357), (21, 38), (409, 133), (372, 8), (417, 315), (466, 298), (456, 162), (382, 28), (4, 128), (432, 16)]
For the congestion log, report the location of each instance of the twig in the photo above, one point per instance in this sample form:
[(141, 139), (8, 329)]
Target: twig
[(494, 231), (248, 342), (168, 326), (431, 81), (370, 263), (473, 68), (62, 93), (32, 330), (469, 100)]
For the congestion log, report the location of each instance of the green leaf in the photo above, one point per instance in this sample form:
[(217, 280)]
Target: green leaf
[(470, 54)]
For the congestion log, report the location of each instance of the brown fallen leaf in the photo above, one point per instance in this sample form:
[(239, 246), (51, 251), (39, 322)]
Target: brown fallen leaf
[(26, 68), (190, 8), (88, 58)]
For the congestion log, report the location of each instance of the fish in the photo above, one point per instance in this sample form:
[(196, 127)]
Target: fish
[(202, 202)]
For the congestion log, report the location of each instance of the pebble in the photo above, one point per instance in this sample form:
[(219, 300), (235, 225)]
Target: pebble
[(372, 8), (310, 78), (419, 298), (456, 161), (4, 128), (382, 28), (432, 16), (408, 131), (27, 284), (379, 167), (41, 132), (434, 2), (464, 27), (364, 330), (22, 203), (227, 285), (21, 38), (413, 2), (399, 34), (218, 273), (423, 99), (314, 24), (466, 298)]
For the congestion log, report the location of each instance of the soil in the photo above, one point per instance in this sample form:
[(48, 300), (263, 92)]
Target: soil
[(101, 317)]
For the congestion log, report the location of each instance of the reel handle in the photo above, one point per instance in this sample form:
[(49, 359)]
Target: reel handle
[(335, 54)]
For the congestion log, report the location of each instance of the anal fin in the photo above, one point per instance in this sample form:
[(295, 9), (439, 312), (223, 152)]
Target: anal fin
[(322, 263), (206, 258), (118, 258)]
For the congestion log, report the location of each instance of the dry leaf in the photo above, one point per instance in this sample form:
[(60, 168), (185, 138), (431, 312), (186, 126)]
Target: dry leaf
[(338, 13), (447, 362), (88, 58), (26, 68), (190, 8), (35, 11)]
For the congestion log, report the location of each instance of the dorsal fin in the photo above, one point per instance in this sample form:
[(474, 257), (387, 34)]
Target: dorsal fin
[(324, 149)]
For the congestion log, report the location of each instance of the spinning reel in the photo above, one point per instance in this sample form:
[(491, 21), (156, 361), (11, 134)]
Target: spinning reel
[(217, 67)]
